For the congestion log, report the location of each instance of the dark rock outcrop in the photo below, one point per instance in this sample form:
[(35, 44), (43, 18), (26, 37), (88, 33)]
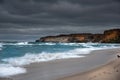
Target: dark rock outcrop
[(109, 36)]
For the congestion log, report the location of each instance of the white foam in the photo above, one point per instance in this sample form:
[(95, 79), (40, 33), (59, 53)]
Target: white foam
[(19, 43), (1, 45), (70, 44), (22, 43), (44, 56), (86, 45), (14, 64), (49, 43), (7, 70), (31, 58), (26, 43), (74, 44)]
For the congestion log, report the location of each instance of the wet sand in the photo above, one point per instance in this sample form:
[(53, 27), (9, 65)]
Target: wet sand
[(99, 65), (110, 71)]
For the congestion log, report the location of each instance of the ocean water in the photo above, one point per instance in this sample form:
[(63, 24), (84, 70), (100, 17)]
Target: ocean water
[(14, 55)]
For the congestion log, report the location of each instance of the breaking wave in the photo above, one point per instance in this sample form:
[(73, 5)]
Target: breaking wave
[(13, 57), (45, 56), (9, 70)]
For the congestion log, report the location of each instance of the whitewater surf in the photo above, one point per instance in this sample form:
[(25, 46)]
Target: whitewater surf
[(14, 55)]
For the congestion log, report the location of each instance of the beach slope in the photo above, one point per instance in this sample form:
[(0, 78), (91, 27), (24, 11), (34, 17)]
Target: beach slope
[(99, 65), (110, 71)]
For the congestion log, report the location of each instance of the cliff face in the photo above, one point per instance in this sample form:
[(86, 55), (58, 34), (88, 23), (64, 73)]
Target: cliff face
[(109, 36)]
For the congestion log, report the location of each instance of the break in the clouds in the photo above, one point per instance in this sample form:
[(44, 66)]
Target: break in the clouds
[(31, 19)]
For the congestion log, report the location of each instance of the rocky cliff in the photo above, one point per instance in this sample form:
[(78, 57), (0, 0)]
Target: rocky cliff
[(109, 36)]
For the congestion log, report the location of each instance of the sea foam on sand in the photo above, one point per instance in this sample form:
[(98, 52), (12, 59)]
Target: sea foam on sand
[(9, 70)]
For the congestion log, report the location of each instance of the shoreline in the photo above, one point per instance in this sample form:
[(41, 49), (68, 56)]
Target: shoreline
[(109, 71), (59, 69)]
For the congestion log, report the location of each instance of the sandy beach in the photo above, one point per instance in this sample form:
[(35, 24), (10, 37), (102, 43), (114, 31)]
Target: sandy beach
[(99, 65), (110, 71)]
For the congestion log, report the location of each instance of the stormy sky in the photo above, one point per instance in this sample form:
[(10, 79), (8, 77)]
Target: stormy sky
[(31, 19)]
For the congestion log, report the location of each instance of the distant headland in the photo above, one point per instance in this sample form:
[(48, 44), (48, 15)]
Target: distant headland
[(109, 36)]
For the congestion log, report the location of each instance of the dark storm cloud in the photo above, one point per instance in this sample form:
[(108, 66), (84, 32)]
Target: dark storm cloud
[(30, 19)]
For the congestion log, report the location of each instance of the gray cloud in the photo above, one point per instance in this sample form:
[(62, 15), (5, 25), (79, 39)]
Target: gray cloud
[(31, 19)]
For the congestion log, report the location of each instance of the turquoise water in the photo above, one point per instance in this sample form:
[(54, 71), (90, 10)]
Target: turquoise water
[(16, 54)]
